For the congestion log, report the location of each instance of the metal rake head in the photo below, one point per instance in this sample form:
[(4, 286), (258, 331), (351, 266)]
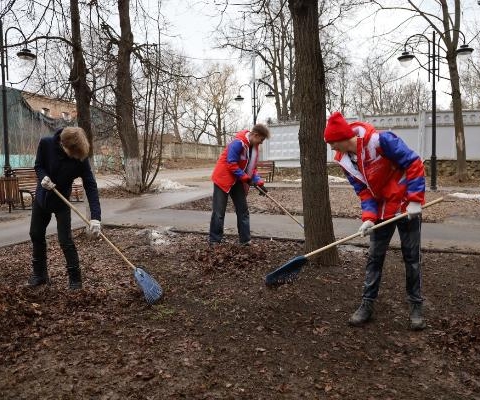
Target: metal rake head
[(150, 287)]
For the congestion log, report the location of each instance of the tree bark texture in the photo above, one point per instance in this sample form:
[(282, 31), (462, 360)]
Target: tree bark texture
[(78, 76), (462, 174), (311, 102), (451, 34), (124, 102)]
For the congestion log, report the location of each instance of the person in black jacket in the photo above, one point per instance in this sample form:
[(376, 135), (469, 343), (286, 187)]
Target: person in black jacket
[(60, 159)]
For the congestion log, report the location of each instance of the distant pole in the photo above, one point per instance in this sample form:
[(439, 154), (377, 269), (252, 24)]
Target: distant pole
[(433, 158), (7, 168), (254, 97)]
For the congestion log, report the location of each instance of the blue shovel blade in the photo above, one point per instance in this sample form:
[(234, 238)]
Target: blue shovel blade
[(286, 273)]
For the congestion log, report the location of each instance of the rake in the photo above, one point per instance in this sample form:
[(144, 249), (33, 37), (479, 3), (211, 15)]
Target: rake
[(150, 287), (263, 192), (288, 272)]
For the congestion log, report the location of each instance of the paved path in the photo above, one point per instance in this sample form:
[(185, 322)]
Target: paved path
[(151, 209)]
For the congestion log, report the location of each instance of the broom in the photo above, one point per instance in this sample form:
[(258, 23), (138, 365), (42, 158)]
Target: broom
[(150, 287)]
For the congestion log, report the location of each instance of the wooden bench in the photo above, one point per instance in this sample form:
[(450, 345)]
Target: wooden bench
[(27, 184), (266, 169), (9, 193)]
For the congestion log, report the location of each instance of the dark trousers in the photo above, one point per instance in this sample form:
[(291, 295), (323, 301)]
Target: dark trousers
[(38, 226), (219, 206), (409, 231)]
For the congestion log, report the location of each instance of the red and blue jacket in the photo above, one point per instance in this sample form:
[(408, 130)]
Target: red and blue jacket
[(387, 175), (233, 162)]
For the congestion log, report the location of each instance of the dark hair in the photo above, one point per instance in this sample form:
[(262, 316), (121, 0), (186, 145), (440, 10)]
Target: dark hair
[(261, 130)]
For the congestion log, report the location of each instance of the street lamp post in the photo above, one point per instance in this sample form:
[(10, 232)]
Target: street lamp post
[(24, 54), (254, 85), (433, 75)]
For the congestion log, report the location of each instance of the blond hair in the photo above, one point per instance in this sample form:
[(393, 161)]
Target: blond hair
[(75, 142)]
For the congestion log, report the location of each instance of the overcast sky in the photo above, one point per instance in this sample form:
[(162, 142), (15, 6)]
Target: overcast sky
[(194, 22)]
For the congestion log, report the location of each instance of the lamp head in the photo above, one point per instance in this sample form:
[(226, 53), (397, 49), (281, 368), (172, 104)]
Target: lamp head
[(270, 94), (26, 54), (405, 59), (464, 51), (239, 98)]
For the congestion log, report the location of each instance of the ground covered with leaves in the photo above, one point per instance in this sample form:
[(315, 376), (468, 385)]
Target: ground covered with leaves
[(219, 333)]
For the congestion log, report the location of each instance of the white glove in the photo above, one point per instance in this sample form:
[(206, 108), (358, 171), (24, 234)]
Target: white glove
[(365, 228), (47, 183), (414, 209), (94, 227)]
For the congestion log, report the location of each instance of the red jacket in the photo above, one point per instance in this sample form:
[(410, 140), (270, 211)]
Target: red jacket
[(388, 176), (233, 162)]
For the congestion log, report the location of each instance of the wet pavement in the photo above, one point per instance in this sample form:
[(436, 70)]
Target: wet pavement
[(454, 234)]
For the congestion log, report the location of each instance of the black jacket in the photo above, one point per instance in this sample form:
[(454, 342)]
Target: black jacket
[(52, 161)]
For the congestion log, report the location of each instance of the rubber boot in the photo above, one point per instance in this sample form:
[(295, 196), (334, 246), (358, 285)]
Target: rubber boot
[(74, 278), (363, 314), (417, 322), (39, 276)]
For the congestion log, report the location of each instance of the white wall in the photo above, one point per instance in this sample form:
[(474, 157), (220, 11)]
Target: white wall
[(414, 129)]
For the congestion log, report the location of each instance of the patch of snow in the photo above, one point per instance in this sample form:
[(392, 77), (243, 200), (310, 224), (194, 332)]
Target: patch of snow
[(336, 179), (167, 184), (157, 238), (292, 180), (331, 179), (466, 196)]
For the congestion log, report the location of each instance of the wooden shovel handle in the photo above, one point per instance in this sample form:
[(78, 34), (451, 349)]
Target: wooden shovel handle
[(388, 221), (88, 224)]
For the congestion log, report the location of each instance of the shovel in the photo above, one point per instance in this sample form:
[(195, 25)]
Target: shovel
[(151, 289), (289, 271), (278, 204)]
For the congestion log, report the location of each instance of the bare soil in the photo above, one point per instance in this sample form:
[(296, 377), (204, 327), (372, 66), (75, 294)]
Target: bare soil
[(219, 333)]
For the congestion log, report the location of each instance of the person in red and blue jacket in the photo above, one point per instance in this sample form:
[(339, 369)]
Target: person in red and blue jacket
[(389, 179), (234, 173)]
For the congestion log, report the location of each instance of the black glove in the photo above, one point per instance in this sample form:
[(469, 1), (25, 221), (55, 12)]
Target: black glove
[(261, 190)]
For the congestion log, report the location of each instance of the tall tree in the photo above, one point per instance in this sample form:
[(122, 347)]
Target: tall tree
[(310, 97), (265, 31), (124, 101), (447, 25), (78, 76)]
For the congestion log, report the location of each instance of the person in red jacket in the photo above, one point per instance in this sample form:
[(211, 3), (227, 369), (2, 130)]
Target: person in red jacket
[(234, 172), (389, 178)]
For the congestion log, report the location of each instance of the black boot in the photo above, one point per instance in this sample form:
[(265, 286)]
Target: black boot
[(39, 276), (363, 313), (417, 323), (74, 278)]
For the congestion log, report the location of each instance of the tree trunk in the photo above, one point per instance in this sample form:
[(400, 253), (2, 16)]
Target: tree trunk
[(310, 98), (124, 102), (462, 174), (451, 36), (78, 76), (78, 80)]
